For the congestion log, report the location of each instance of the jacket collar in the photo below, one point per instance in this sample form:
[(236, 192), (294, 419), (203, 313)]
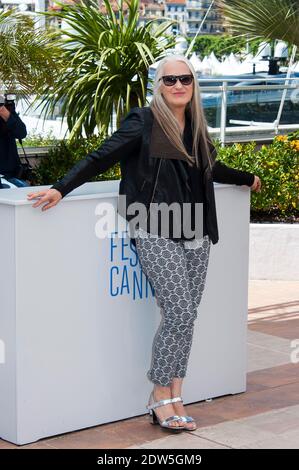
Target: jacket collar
[(161, 147)]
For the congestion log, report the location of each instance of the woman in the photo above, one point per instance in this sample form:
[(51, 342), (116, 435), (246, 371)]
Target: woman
[(176, 266)]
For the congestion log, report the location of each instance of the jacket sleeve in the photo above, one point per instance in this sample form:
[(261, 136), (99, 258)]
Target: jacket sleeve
[(122, 144), (16, 126), (225, 174)]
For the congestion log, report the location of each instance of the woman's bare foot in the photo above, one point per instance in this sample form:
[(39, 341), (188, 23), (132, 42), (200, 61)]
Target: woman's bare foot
[(165, 411), (176, 391)]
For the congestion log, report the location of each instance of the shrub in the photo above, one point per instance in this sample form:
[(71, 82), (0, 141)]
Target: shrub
[(36, 139), (276, 165), (64, 156)]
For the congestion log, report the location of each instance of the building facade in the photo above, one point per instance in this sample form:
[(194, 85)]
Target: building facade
[(195, 13), (188, 14)]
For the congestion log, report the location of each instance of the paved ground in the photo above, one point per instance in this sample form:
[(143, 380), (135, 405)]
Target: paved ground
[(265, 416)]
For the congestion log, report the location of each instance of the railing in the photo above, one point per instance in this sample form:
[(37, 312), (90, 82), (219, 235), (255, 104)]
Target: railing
[(252, 127), (242, 130)]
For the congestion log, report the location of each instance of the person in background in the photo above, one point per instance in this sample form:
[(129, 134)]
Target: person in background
[(11, 128)]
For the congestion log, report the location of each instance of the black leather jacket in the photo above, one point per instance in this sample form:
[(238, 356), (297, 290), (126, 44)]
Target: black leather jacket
[(147, 171)]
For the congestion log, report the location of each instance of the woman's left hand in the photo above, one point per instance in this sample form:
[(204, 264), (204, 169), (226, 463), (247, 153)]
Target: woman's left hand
[(256, 186)]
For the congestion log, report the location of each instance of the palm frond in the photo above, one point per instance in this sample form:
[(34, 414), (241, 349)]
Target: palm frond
[(267, 19), (102, 53), (27, 52)]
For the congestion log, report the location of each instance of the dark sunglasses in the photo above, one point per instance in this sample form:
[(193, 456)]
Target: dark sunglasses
[(170, 80)]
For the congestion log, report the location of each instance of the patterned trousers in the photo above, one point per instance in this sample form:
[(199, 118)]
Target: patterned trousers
[(177, 272)]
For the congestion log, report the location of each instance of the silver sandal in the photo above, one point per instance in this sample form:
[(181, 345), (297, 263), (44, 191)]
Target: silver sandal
[(154, 419)]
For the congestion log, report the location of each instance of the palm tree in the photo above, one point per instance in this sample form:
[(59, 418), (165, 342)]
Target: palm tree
[(267, 19), (106, 57), (26, 55)]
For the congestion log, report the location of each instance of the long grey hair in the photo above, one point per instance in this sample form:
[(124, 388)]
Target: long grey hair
[(168, 121)]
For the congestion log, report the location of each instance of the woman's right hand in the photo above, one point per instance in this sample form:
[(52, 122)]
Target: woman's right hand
[(51, 196)]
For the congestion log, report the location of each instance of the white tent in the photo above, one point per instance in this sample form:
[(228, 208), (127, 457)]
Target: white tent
[(206, 66), (228, 67), (231, 65), (215, 64), (196, 62)]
